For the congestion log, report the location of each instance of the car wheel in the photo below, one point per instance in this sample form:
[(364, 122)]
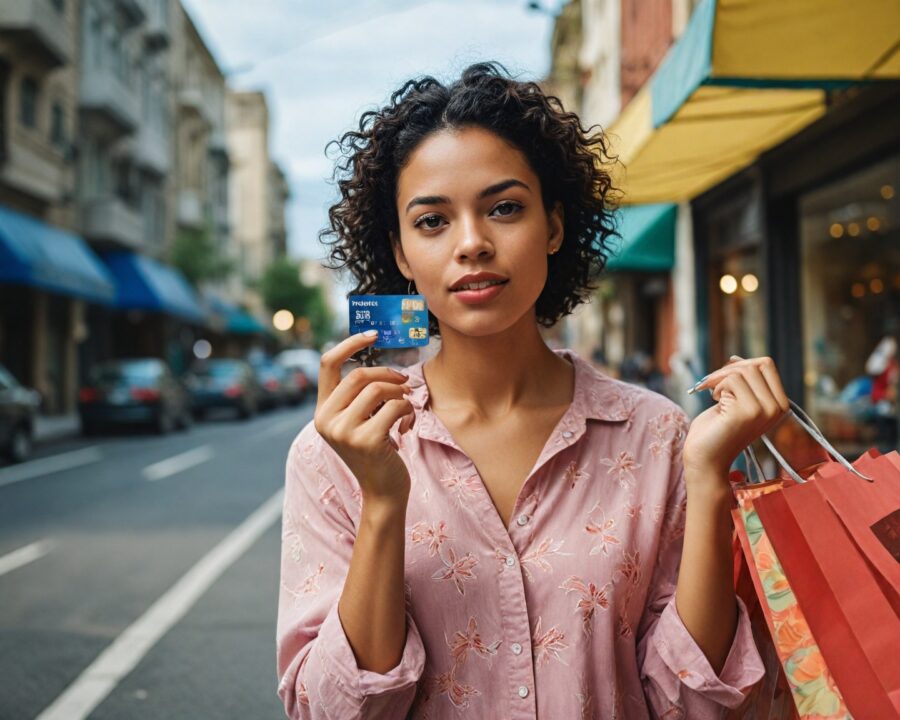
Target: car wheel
[(186, 419), (164, 422), (199, 413), (19, 448), (89, 428)]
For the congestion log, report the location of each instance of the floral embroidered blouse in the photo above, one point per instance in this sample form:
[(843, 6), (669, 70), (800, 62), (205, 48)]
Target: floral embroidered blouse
[(568, 612)]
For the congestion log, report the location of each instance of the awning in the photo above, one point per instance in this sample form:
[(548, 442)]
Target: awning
[(39, 255), (648, 238), (142, 283), (230, 318), (742, 78)]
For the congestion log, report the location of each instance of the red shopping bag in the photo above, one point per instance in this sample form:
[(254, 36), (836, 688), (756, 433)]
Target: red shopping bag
[(851, 620), (870, 511)]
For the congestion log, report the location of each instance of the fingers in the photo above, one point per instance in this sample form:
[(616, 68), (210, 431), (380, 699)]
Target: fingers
[(356, 381), (367, 402), (388, 414), (754, 392), (333, 360)]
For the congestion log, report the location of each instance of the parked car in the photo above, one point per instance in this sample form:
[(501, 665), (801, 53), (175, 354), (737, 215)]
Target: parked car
[(275, 383), (224, 383), (307, 359), (136, 391), (18, 407), (298, 384)]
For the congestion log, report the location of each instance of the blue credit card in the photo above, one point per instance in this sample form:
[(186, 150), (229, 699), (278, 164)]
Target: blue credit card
[(401, 320)]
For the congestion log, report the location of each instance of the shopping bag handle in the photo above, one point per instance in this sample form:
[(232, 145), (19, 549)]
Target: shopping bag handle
[(805, 422)]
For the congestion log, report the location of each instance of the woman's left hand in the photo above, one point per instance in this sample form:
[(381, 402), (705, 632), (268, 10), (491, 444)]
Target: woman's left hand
[(750, 400)]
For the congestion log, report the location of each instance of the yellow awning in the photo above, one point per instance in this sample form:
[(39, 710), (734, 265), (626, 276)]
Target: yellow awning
[(742, 78)]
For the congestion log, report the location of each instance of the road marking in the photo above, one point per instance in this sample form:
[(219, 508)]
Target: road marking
[(24, 555), (48, 465), (99, 679), (177, 463)]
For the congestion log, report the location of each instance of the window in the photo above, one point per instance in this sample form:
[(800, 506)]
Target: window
[(58, 125), (28, 99)]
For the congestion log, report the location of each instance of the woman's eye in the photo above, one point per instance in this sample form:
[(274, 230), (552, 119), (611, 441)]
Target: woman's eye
[(511, 207), (426, 220)]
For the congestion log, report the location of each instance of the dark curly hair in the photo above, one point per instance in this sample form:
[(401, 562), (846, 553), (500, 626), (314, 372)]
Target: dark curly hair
[(570, 163)]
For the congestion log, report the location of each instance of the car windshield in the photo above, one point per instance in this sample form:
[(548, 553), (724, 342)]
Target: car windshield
[(132, 372)]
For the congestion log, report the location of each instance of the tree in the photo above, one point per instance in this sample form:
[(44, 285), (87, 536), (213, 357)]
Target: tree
[(198, 258), (282, 289)]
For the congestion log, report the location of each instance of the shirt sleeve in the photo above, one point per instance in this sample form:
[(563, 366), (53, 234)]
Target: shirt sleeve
[(318, 675), (677, 678)]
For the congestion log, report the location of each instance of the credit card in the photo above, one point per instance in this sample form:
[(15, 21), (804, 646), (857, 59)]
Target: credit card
[(401, 320)]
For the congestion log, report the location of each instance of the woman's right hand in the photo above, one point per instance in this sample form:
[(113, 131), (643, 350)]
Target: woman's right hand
[(354, 414)]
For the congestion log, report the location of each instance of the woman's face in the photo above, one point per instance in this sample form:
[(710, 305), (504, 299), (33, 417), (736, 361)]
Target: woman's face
[(469, 202)]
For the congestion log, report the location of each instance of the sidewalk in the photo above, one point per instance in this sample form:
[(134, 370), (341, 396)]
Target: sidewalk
[(48, 428)]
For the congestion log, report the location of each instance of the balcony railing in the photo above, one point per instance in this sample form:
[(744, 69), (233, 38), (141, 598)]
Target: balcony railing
[(111, 221), (108, 99), (38, 28)]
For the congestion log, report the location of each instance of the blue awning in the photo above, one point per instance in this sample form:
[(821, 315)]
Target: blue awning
[(232, 318), (39, 255), (648, 238), (142, 283)]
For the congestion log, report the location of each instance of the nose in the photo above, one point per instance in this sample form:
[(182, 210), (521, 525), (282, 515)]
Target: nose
[(473, 241)]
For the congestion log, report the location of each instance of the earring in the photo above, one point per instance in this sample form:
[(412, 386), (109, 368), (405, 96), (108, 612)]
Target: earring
[(409, 288)]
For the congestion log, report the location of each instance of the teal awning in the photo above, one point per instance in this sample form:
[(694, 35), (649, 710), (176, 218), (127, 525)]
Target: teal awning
[(230, 318), (648, 238), (39, 255)]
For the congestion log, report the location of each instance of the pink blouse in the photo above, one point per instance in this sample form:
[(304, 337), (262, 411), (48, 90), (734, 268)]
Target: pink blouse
[(568, 612)]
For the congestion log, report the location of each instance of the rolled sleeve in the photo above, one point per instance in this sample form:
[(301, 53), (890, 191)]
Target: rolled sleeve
[(676, 654), (318, 675), (678, 680)]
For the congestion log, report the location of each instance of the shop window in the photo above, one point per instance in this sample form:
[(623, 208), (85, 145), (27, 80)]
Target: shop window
[(57, 125), (28, 100), (850, 273)]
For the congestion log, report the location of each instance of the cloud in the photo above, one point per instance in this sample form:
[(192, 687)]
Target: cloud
[(323, 64)]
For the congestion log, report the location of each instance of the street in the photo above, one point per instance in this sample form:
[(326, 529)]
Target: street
[(172, 540)]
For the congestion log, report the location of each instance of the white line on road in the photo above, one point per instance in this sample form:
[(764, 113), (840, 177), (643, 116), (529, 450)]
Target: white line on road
[(177, 463), (100, 678), (24, 555), (48, 465)]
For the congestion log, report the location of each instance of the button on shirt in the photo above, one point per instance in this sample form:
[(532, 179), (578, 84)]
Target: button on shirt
[(568, 612)]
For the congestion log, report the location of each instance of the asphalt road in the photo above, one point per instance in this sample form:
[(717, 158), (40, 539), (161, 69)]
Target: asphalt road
[(139, 574)]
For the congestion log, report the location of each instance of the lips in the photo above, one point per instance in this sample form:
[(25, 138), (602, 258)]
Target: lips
[(479, 285), (476, 278)]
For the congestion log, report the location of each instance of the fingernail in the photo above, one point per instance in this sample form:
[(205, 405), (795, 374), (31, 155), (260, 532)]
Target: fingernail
[(735, 357), (370, 333)]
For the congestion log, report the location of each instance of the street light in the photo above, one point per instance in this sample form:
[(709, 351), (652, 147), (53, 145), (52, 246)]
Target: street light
[(283, 320)]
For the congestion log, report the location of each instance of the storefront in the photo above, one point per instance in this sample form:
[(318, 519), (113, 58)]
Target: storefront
[(801, 259)]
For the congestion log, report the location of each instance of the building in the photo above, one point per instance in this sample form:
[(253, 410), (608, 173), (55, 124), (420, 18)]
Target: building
[(48, 275), (763, 176), (259, 191)]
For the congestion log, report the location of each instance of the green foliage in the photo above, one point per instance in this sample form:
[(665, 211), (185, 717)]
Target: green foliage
[(195, 254), (282, 289)]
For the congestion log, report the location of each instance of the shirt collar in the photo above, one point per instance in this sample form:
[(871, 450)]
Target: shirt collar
[(597, 396)]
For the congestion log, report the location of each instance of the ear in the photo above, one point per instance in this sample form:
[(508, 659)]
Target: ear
[(556, 221), (399, 256)]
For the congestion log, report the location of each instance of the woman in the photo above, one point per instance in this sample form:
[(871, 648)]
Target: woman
[(497, 532)]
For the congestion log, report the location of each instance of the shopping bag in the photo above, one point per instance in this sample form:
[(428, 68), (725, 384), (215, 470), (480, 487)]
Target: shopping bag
[(842, 599), (798, 682), (870, 511)]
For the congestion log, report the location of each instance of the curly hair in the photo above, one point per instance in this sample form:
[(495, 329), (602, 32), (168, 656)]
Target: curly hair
[(569, 161)]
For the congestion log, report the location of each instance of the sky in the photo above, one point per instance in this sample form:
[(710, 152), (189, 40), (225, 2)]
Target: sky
[(322, 64)]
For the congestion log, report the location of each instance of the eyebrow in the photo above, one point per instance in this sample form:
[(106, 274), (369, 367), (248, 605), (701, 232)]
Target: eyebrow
[(490, 190)]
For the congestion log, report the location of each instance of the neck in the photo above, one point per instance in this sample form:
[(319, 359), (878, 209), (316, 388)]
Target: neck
[(492, 375)]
